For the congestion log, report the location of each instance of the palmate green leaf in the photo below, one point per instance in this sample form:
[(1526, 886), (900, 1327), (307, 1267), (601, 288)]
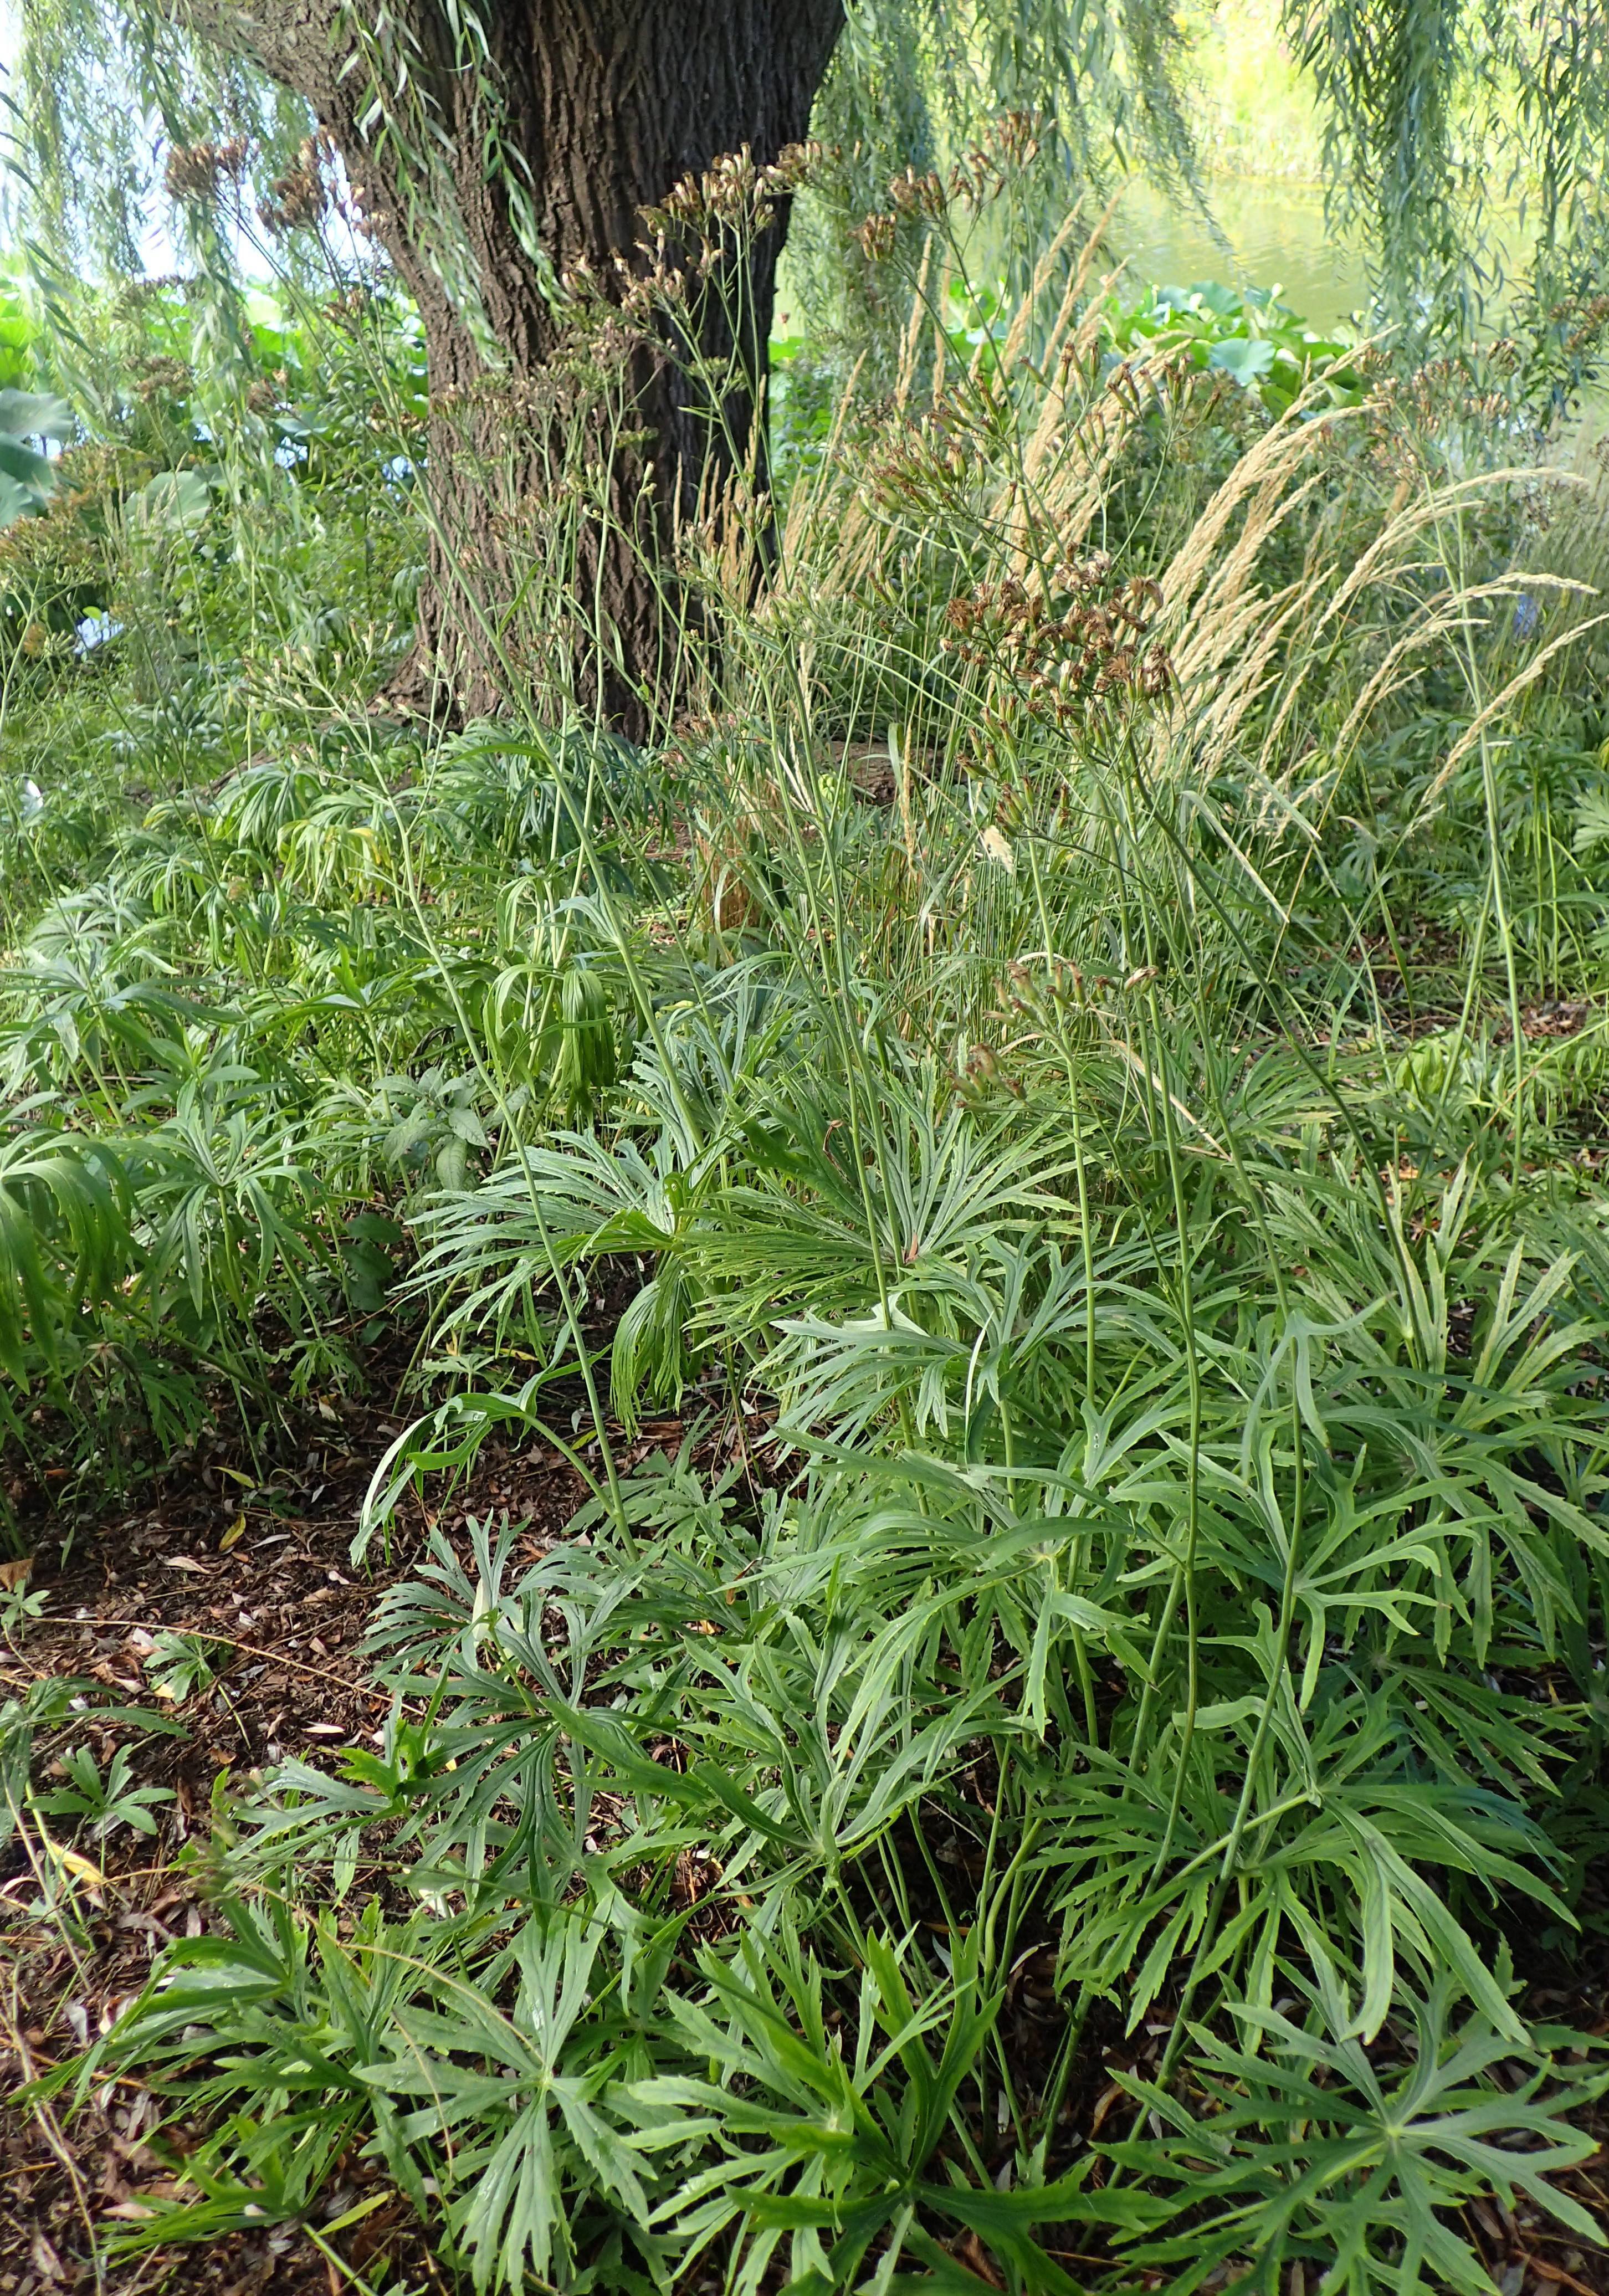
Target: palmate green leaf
[(263, 2029), (937, 1188), (384, 2032), (66, 1238), (1345, 1838), (860, 1752), (29, 471), (970, 1339), (104, 1803), (523, 2132), (1364, 2175), (250, 2176), (17, 499), (832, 2154)]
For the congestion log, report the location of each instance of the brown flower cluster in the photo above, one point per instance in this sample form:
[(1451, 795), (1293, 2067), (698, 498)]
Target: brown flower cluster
[(1590, 315), (1077, 641), (1442, 387), (737, 194), (50, 556), (1039, 993), (926, 465), (194, 171), (262, 398), (300, 196), (1011, 145), (914, 194), (700, 225), (876, 234), (163, 378), (1407, 409)]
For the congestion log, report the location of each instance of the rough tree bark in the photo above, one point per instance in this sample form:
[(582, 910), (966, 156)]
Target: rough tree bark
[(608, 105)]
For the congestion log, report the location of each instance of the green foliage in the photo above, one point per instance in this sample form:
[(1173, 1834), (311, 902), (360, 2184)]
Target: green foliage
[(1433, 117), (1437, 123), (104, 1803), (1079, 1059), (1404, 2147), (1248, 336), (27, 480), (179, 1665)]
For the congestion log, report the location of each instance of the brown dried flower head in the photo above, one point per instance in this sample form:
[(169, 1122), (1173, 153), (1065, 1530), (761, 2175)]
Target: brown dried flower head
[(163, 378), (914, 194), (300, 196), (1054, 648), (737, 192), (195, 171), (876, 233)]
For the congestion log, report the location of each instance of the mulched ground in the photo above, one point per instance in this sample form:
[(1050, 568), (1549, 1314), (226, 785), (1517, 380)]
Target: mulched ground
[(261, 1569)]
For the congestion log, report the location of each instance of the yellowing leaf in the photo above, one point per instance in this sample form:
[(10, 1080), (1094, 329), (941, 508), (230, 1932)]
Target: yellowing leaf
[(83, 1869), (234, 1535)]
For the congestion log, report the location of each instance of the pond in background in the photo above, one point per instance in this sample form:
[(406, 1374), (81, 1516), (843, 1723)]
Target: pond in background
[(1276, 235)]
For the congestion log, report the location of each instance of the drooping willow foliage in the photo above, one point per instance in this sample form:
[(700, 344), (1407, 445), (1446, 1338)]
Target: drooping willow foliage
[(1464, 138), (1440, 115), (913, 86), (103, 94)]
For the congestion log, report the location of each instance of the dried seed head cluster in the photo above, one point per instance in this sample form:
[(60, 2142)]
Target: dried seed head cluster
[(1406, 411), (1039, 993), (300, 196), (656, 283), (163, 378), (1586, 317), (1444, 386), (1011, 145), (605, 326), (1075, 641), (699, 226), (914, 194), (982, 1073), (46, 558), (737, 193), (927, 464), (194, 171), (353, 303), (876, 233)]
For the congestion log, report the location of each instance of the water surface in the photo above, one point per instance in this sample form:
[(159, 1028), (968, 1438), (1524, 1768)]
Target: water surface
[(1277, 237)]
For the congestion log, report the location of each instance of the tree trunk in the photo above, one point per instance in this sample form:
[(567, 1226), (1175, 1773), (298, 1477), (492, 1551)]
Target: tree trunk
[(595, 111)]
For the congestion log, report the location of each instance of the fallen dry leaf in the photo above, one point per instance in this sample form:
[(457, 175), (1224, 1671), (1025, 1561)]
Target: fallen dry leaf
[(46, 2262)]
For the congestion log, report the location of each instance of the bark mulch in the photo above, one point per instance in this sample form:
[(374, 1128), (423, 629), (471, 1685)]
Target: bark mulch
[(259, 1568)]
